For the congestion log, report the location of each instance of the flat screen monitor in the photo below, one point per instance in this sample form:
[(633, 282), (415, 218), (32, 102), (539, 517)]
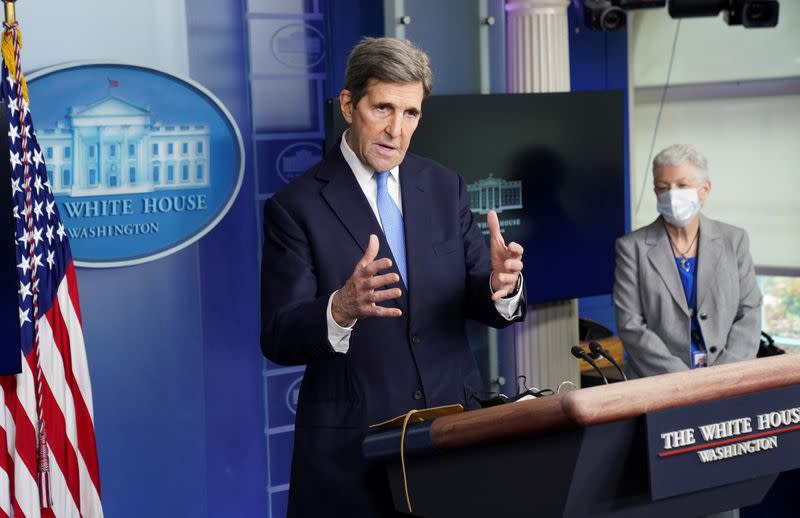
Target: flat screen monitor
[(551, 165)]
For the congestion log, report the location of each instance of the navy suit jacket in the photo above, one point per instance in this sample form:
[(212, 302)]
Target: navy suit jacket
[(315, 231)]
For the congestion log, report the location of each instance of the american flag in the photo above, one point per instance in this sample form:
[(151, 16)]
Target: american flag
[(52, 396)]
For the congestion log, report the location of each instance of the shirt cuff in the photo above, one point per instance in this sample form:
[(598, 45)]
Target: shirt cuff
[(509, 308), (338, 336)]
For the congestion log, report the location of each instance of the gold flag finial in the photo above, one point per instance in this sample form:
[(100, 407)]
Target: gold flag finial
[(11, 44), (11, 16)]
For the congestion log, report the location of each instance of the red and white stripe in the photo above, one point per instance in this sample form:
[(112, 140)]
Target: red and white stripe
[(67, 410)]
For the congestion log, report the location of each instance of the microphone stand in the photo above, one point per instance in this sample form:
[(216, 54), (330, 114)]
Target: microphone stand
[(578, 352), (599, 349)]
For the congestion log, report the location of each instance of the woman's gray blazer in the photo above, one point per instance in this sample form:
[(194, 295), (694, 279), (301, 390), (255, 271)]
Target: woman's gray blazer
[(653, 318)]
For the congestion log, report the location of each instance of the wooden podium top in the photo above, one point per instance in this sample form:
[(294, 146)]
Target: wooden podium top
[(613, 402)]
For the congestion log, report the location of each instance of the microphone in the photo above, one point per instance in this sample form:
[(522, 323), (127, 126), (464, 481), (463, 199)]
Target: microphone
[(578, 352), (599, 349)]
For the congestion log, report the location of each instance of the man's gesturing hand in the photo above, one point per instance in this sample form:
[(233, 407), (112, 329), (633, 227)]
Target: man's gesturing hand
[(359, 296), (506, 260)]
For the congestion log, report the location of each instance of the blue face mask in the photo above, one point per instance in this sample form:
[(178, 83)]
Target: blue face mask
[(679, 206)]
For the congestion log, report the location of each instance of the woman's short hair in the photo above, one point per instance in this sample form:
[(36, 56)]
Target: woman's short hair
[(390, 60), (678, 154)]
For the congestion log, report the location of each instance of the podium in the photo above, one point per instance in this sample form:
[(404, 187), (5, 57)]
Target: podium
[(682, 444)]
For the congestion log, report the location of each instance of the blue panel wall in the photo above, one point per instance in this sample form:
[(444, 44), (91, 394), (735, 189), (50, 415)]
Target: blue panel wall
[(599, 61), (288, 50), (228, 270), (145, 350), (172, 367), (348, 21)]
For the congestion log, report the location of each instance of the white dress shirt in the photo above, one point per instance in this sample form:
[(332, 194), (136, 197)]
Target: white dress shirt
[(338, 336)]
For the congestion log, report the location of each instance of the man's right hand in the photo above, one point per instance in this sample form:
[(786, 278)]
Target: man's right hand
[(359, 296)]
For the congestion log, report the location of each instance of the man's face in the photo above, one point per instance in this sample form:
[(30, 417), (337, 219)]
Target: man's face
[(382, 122)]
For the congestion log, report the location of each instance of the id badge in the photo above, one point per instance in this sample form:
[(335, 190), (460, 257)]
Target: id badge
[(699, 360)]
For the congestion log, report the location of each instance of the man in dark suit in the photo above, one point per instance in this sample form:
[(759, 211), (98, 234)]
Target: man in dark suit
[(378, 336)]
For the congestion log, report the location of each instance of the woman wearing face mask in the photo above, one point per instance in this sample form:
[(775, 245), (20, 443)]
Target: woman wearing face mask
[(685, 292)]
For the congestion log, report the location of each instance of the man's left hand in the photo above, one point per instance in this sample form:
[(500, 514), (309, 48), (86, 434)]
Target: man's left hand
[(506, 260)]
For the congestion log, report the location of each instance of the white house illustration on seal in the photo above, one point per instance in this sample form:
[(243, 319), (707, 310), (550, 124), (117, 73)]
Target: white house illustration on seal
[(495, 194), (111, 147)]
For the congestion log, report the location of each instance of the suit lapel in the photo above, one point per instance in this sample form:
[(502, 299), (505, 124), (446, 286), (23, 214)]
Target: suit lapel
[(709, 252), (663, 260), (347, 200), (345, 197), (417, 220)]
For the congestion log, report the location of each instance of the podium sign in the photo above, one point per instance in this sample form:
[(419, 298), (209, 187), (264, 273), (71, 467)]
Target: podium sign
[(681, 444), (720, 442)]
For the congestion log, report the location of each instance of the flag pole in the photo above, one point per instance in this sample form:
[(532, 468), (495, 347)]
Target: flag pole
[(11, 44)]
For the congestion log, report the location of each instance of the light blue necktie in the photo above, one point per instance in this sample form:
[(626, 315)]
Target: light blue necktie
[(392, 222)]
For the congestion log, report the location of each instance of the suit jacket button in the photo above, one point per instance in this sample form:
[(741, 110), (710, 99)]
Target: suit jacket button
[(703, 316), (418, 395), (415, 339), (712, 349)]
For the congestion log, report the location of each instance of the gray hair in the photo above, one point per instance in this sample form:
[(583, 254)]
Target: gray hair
[(390, 60), (678, 154)]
